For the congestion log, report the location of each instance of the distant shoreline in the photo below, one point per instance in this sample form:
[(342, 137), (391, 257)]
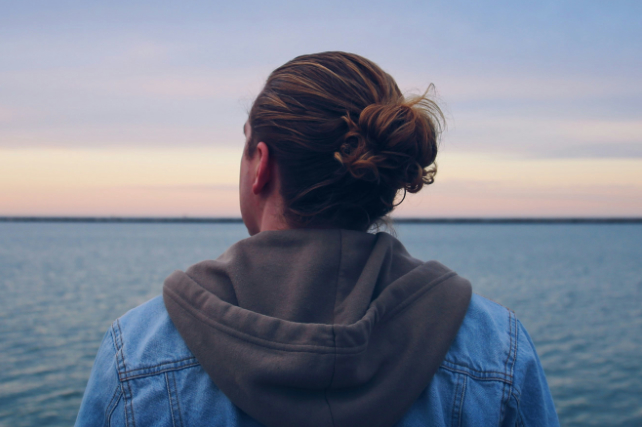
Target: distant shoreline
[(233, 220)]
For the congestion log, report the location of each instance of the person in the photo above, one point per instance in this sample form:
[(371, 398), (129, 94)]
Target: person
[(316, 320)]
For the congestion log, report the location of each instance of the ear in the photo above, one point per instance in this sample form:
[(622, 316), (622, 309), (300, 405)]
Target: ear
[(263, 172)]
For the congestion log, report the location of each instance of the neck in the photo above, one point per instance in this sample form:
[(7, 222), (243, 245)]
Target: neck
[(272, 217)]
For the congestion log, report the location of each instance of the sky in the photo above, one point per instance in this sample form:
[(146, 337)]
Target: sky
[(137, 108)]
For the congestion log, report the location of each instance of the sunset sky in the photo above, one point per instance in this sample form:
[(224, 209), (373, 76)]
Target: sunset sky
[(137, 108)]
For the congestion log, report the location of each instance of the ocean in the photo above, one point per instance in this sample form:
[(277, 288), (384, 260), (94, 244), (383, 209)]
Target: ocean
[(577, 288)]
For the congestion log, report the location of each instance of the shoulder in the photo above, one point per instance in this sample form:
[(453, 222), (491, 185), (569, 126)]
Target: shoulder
[(147, 341), (138, 345), (490, 376), (492, 347), (144, 374), (485, 345)]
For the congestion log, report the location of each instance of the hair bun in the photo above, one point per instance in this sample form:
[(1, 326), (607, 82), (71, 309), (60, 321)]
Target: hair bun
[(344, 138), (393, 143)]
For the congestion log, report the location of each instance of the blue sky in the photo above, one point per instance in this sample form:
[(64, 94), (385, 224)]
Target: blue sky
[(545, 80)]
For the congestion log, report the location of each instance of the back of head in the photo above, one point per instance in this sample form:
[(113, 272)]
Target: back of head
[(345, 139)]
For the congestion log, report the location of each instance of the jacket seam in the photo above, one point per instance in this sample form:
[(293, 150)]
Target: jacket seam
[(111, 412), (110, 409), (178, 401), (474, 373), (455, 411), (163, 366), (458, 400), (510, 360), (113, 341), (277, 345), (158, 365), (113, 402), (514, 362), (514, 358), (163, 371), (502, 402), (169, 396), (520, 420), (461, 400), (504, 399), (126, 385), (517, 398), (476, 377)]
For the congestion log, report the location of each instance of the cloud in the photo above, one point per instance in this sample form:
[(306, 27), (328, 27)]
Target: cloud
[(161, 84), (520, 87), (537, 136), (198, 188), (632, 150), (504, 199), (8, 115)]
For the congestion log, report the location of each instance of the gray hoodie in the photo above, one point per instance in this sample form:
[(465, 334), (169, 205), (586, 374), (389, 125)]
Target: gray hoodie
[(313, 327)]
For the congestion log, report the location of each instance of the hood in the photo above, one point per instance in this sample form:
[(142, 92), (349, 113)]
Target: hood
[(319, 327)]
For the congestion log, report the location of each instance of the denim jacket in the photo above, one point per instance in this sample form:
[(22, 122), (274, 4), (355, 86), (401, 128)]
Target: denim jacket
[(144, 375)]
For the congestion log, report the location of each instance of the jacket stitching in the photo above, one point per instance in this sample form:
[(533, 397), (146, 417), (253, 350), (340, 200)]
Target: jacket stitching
[(456, 410), (150, 374), (169, 396), (158, 365), (510, 338), (111, 412), (516, 342), (113, 341), (471, 375), (119, 362), (517, 398), (506, 389), (461, 401), (463, 365), (513, 359), (519, 421), (514, 354), (131, 402), (454, 413), (110, 405), (108, 411), (128, 399), (178, 401), (510, 346), (119, 339)]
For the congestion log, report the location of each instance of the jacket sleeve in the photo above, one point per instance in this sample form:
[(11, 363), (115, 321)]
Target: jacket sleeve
[(103, 395), (530, 402)]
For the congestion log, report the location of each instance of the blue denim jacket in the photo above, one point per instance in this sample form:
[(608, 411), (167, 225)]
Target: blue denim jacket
[(144, 375)]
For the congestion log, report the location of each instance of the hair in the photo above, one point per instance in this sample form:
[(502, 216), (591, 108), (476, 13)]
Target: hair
[(345, 139)]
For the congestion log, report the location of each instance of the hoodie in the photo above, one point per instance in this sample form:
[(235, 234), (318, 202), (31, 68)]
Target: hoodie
[(312, 327)]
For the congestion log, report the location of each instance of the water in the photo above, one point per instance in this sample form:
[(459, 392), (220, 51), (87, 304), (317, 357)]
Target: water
[(576, 288)]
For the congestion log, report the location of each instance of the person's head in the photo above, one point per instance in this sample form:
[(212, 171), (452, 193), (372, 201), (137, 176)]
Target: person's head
[(339, 141)]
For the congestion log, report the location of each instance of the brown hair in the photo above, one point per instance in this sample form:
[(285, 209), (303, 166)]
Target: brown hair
[(344, 138)]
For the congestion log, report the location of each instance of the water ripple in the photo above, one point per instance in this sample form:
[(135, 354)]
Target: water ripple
[(576, 288)]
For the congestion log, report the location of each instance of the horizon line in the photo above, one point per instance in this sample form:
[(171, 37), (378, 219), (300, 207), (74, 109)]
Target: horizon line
[(400, 220)]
